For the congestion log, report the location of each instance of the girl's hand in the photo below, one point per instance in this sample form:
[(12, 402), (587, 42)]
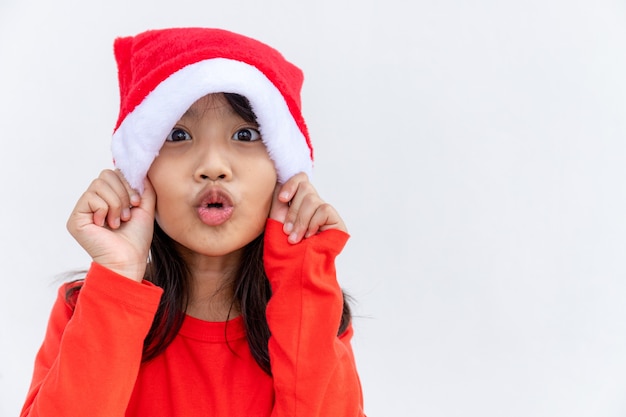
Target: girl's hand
[(297, 205), (114, 224)]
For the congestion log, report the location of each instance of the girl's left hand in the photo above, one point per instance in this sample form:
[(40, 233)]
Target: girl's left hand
[(303, 213)]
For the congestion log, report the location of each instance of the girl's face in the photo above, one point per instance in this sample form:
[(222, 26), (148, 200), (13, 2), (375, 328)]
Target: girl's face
[(213, 179)]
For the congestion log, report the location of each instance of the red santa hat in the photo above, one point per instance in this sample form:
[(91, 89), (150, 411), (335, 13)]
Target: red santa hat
[(163, 72)]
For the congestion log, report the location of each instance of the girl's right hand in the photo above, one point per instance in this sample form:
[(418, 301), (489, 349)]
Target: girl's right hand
[(114, 224)]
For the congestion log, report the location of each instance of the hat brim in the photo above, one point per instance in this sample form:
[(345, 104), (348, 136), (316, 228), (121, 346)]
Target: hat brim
[(140, 136)]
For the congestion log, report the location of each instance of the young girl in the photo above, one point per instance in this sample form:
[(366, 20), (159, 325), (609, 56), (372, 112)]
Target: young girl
[(212, 289)]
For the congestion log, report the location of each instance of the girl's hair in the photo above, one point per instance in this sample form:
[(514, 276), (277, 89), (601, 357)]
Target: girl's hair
[(251, 288)]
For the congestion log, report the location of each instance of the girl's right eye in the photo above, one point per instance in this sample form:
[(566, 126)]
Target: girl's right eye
[(178, 135)]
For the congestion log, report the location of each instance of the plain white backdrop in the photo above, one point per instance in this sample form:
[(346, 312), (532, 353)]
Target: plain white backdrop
[(476, 150)]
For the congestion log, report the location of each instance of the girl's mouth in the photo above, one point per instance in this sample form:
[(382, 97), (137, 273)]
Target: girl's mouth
[(215, 207)]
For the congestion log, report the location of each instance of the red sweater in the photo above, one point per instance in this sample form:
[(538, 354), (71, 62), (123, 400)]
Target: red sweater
[(90, 361)]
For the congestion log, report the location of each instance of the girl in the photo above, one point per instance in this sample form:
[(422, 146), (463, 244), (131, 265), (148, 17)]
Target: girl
[(212, 289)]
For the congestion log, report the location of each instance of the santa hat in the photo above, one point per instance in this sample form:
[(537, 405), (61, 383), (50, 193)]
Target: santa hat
[(163, 72)]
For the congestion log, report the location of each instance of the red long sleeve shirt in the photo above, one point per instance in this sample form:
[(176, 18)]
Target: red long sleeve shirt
[(90, 360)]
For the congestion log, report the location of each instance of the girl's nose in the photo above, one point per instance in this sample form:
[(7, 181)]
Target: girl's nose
[(208, 177), (212, 164)]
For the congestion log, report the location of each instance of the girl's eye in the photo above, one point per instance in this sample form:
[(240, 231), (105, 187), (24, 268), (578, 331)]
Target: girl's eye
[(178, 135), (247, 135)]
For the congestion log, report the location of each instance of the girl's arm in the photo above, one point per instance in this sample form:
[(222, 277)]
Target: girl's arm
[(90, 357), (91, 354), (314, 370)]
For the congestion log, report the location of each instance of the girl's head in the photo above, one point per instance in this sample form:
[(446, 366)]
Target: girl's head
[(214, 178), (215, 147), (162, 73), (239, 101)]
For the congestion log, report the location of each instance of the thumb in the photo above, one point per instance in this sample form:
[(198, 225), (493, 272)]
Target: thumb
[(148, 198), (280, 207)]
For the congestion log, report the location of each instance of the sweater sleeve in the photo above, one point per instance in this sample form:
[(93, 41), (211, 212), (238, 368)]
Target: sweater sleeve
[(90, 356), (314, 370)]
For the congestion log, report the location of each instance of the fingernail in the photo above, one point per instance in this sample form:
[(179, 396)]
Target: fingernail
[(116, 223), (125, 213), (284, 195), (293, 238), (288, 227), (135, 199)]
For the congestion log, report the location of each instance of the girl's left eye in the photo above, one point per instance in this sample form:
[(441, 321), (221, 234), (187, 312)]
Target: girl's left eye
[(178, 135), (247, 135)]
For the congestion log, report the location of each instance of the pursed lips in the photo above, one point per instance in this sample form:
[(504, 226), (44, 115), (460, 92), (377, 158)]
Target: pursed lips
[(215, 206)]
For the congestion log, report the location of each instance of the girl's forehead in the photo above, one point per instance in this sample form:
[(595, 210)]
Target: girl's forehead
[(215, 102)]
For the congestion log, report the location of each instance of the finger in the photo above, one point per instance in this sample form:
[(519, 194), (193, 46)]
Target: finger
[(130, 197), (90, 209), (306, 209), (326, 217), (304, 193), (120, 187), (289, 188), (134, 197), (98, 209), (321, 218), (282, 199), (278, 209), (109, 188), (148, 198), (113, 207)]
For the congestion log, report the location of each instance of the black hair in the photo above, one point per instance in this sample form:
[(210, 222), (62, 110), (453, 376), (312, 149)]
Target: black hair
[(251, 289)]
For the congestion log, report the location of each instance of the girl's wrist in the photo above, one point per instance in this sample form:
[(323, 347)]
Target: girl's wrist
[(132, 271)]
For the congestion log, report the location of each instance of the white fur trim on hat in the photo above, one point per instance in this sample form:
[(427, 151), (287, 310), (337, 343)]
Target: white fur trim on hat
[(141, 135)]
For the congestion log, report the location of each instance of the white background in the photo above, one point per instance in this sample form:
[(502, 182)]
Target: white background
[(476, 150)]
